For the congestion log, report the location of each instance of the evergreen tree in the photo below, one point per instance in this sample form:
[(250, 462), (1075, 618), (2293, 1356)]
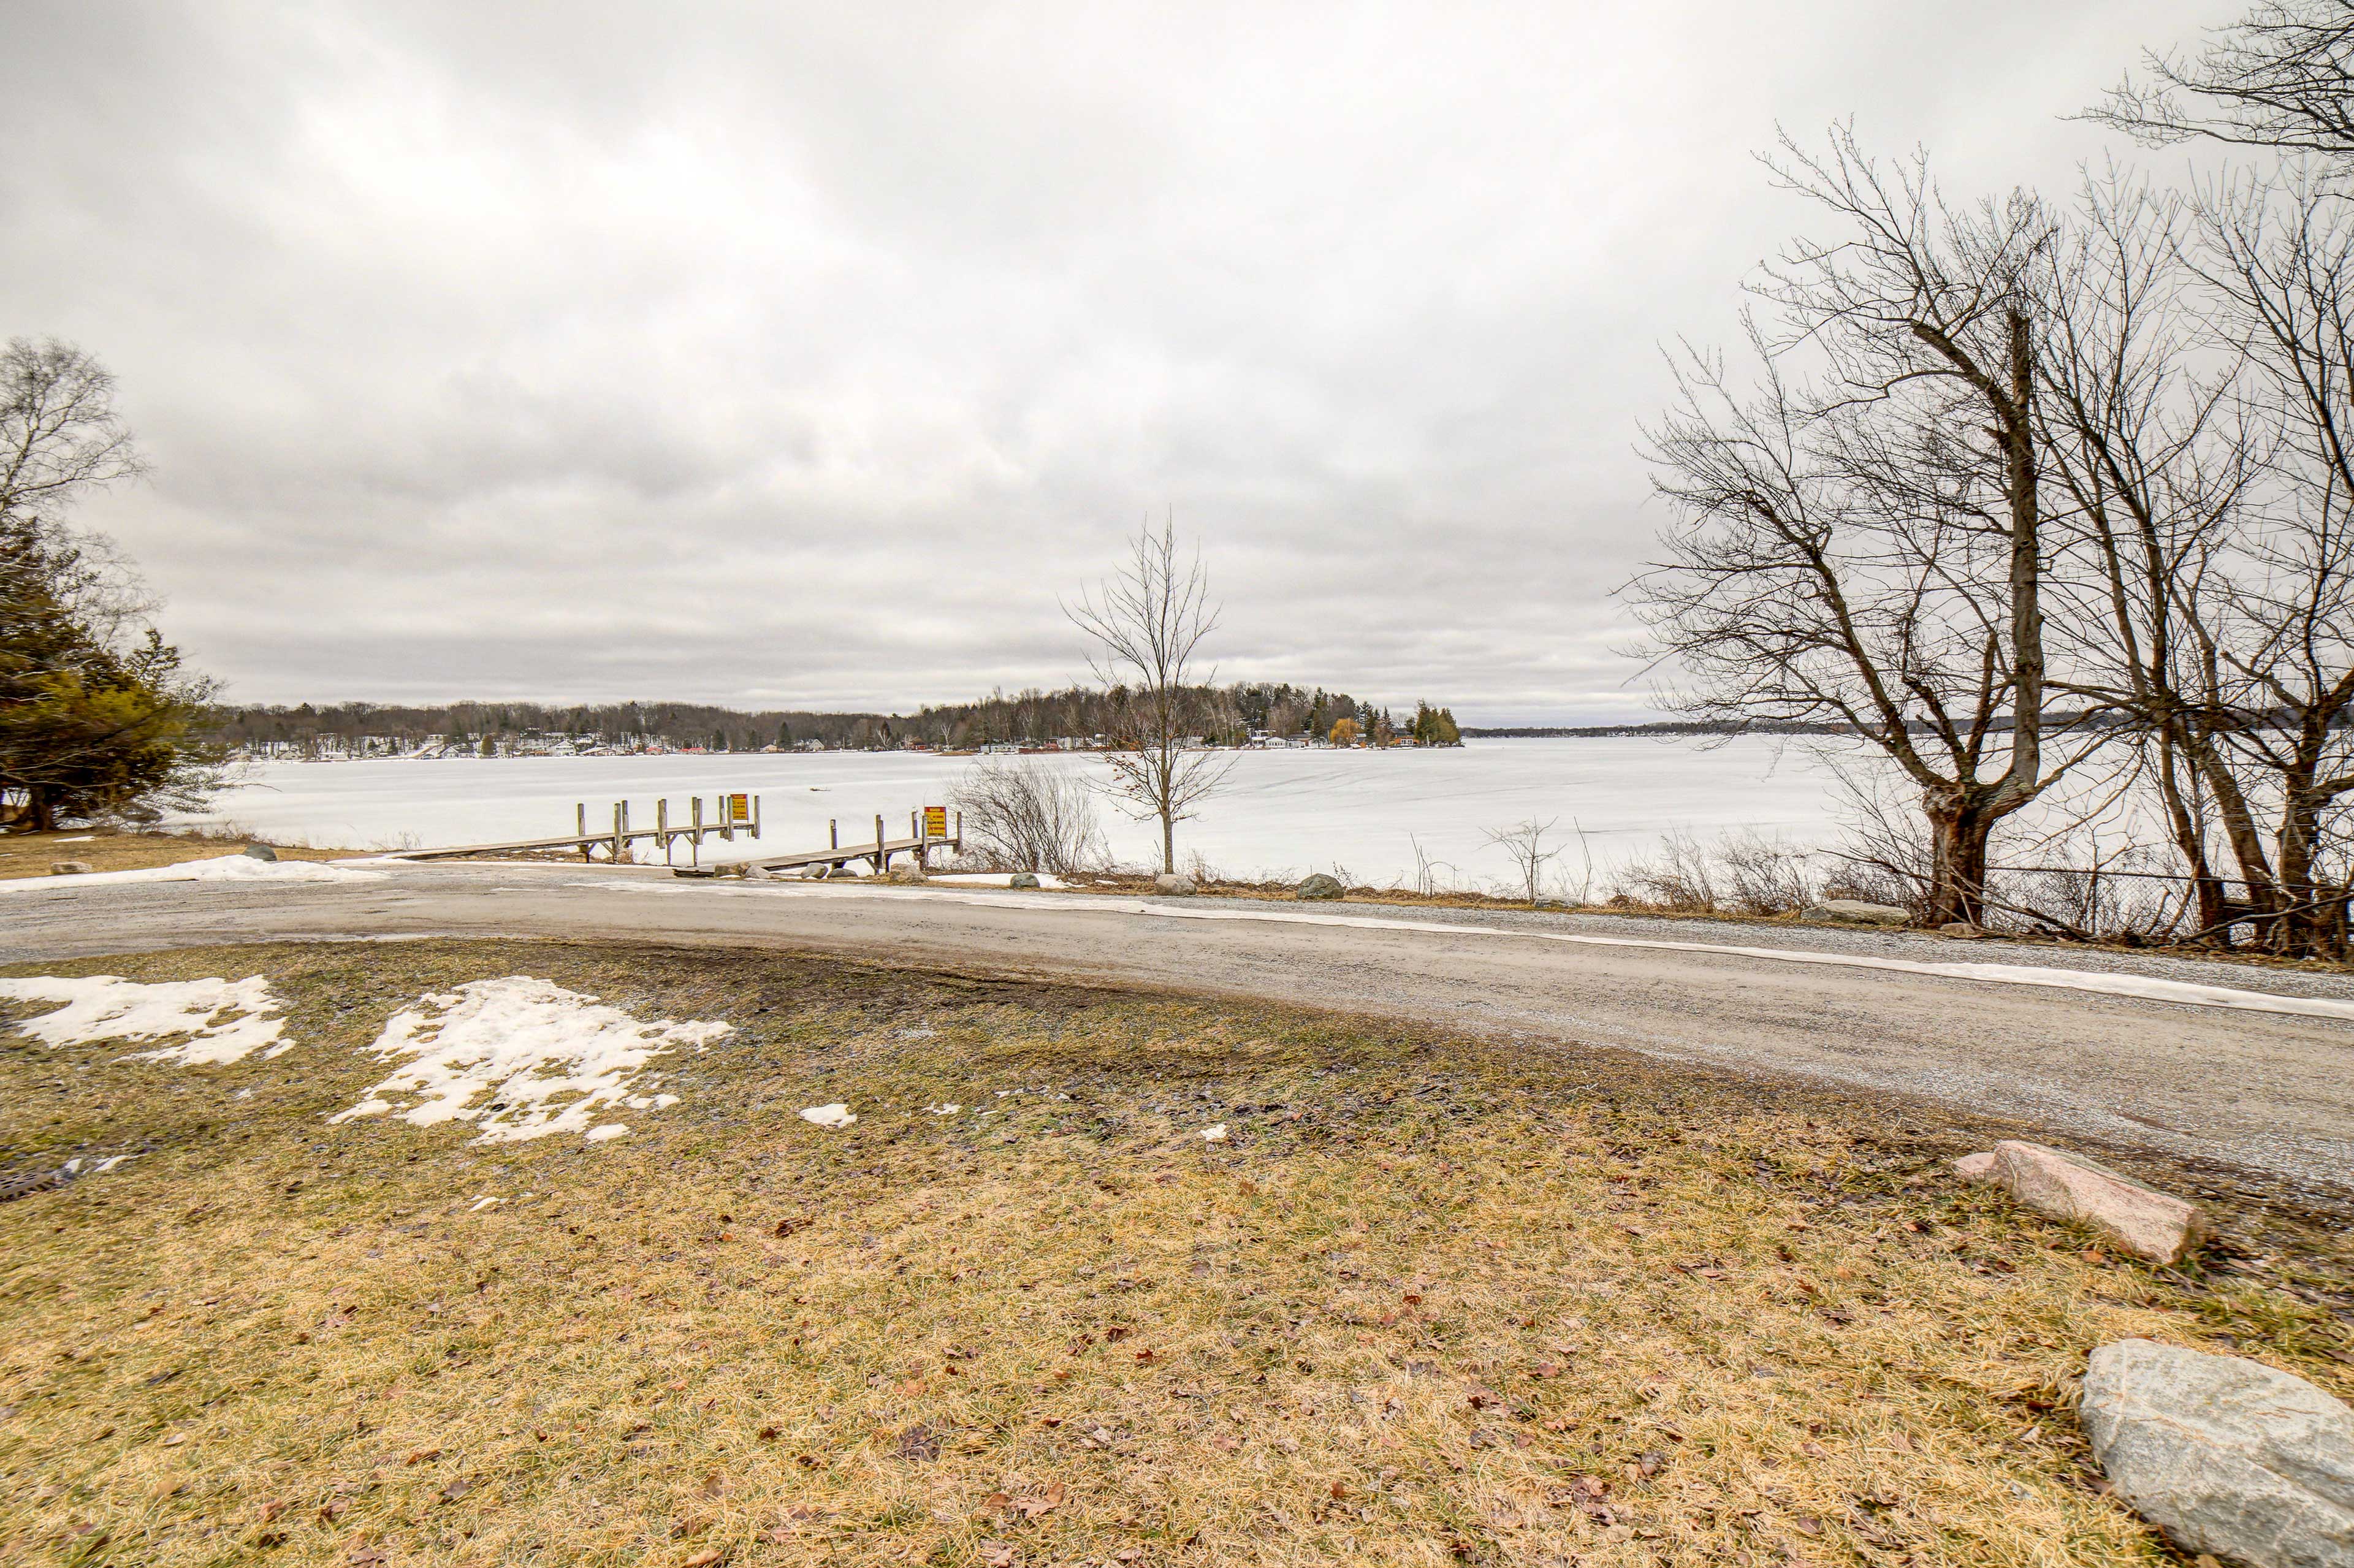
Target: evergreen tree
[(95, 708)]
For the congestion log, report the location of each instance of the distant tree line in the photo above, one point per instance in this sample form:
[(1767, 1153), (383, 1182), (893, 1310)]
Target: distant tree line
[(1227, 714)]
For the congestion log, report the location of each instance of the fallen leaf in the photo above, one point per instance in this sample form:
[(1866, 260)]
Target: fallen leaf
[(704, 1557), (422, 1456), (456, 1489)]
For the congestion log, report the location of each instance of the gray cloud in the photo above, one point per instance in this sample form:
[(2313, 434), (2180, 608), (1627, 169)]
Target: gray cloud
[(807, 354)]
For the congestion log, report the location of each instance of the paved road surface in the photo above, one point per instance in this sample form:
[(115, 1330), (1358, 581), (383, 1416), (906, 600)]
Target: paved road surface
[(2271, 1092)]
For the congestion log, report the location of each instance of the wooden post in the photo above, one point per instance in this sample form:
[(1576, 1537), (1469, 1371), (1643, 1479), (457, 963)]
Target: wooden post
[(727, 817), (959, 832), (832, 833), (882, 855), (662, 826), (698, 829), (620, 825), (580, 825), (756, 816)]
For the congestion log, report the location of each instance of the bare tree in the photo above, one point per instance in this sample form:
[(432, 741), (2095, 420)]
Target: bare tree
[(2281, 77), (2154, 457), (1025, 816), (1859, 538), (1525, 842), (1147, 622), (2278, 254)]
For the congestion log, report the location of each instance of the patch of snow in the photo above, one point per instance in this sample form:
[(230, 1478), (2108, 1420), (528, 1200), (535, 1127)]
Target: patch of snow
[(606, 1133), (518, 1058), (1217, 1133), (943, 1110), (213, 1020), (223, 868), (835, 1115), (483, 1202), (86, 838), (1046, 880), (109, 1163)]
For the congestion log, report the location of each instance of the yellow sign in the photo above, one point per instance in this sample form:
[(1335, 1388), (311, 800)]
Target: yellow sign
[(935, 822), (739, 809)]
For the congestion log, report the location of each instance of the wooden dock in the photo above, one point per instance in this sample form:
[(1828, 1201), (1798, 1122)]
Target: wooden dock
[(927, 831)]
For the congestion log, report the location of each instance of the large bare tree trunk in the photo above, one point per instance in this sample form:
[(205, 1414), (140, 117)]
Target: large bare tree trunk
[(1959, 827)]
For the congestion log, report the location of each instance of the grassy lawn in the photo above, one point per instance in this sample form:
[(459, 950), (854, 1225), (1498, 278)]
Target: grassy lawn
[(1432, 1300)]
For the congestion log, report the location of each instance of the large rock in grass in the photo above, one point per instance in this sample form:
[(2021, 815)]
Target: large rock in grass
[(905, 876), (1320, 886), (2143, 1221), (1173, 884), (69, 868), (1022, 879), (1856, 912), (2224, 1455), (260, 852)]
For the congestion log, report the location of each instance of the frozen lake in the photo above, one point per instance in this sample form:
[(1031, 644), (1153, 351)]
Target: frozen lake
[(1282, 812)]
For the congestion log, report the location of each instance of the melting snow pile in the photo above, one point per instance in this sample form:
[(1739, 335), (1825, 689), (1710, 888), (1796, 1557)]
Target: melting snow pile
[(521, 1058), (212, 1020), (836, 1114), (222, 868)]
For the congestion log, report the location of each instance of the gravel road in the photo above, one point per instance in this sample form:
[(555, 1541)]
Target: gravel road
[(2269, 1092)]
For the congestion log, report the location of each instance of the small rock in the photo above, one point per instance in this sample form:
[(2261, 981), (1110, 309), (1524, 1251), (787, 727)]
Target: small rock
[(69, 868), (1320, 886), (1173, 884), (260, 851), (1856, 912), (2146, 1222), (758, 874), (1022, 879), (1962, 930), (2225, 1454), (905, 876)]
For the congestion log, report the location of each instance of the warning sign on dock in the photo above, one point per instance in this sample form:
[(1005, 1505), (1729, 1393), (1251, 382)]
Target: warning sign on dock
[(739, 810), (935, 822)]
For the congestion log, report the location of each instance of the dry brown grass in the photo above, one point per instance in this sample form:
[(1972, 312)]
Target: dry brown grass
[(32, 855), (1435, 1301)]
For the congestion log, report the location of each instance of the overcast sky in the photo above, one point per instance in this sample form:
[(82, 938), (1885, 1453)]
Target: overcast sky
[(806, 355)]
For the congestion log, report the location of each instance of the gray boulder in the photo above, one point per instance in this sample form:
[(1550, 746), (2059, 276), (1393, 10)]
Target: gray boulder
[(2224, 1455), (69, 868), (260, 851), (907, 874), (1172, 885), (1022, 879), (2142, 1220), (1856, 912), (1320, 886)]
